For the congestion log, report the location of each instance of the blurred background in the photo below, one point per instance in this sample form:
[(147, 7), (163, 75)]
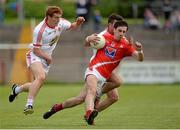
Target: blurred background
[(154, 23)]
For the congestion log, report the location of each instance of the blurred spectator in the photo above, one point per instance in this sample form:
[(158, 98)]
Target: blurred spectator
[(150, 20), (1, 16), (167, 9), (83, 9), (13, 6), (175, 19), (2, 9), (97, 20)]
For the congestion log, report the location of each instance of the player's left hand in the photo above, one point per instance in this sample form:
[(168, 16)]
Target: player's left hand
[(80, 20), (93, 38), (138, 46)]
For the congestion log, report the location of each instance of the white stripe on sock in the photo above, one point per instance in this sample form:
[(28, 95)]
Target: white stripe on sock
[(17, 90), (29, 102)]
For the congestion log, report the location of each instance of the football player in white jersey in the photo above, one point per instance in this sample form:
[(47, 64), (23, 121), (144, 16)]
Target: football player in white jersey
[(45, 38)]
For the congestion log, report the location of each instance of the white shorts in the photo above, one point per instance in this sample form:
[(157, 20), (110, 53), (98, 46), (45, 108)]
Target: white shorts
[(31, 58), (100, 78)]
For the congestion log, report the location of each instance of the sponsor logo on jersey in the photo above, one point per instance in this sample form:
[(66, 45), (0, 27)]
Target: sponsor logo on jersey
[(49, 33), (110, 52), (121, 46)]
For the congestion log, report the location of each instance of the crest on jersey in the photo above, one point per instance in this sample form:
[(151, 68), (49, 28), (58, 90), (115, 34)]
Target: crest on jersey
[(110, 52)]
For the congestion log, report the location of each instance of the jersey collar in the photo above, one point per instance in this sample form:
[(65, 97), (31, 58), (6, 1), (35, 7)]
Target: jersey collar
[(48, 24)]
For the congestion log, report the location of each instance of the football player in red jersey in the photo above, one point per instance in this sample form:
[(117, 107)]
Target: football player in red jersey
[(101, 65), (105, 60), (115, 80)]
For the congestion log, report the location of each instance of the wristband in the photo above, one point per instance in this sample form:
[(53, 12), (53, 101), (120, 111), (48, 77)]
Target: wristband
[(140, 51)]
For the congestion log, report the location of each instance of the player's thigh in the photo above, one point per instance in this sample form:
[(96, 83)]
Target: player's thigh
[(37, 70), (115, 78), (113, 94), (91, 82)]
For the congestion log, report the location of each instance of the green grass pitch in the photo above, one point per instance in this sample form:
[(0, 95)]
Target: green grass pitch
[(139, 107)]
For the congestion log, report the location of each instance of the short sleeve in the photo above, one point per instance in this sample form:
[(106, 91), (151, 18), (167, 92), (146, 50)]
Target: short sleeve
[(64, 24), (129, 50), (37, 39), (38, 35)]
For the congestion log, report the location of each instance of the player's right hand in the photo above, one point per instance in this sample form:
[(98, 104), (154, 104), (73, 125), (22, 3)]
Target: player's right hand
[(80, 20), (93, 38), (49, 60)]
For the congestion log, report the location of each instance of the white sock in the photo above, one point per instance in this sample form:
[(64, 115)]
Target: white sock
[(29, 102), (17, 90)]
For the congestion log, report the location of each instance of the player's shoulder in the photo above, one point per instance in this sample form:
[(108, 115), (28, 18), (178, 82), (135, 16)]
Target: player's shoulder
[(124, 39), (64, 23), (63, 20), (39, 27), (108, 36), (125, 42)]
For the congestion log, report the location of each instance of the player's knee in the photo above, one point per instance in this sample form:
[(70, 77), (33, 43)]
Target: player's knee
[(114, 98), (92, 91), (118, 83), (80, 100), (41, 77)]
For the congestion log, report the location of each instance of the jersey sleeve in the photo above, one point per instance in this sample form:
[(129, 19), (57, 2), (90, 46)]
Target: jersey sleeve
[(129, 50), (129, 47), (37, 39), (64, 24)]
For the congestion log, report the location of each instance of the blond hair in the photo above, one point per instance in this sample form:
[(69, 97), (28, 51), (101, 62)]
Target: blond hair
[(53, 9)]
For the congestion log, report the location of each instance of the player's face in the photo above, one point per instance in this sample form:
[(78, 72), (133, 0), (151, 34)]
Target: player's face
[(120, 32), (53, 21)]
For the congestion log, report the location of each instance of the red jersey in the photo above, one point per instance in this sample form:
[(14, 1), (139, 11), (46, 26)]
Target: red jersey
[(108, 58)]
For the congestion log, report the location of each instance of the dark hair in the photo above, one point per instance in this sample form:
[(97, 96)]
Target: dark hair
[(121, 23), (53, 9), (113, 17)]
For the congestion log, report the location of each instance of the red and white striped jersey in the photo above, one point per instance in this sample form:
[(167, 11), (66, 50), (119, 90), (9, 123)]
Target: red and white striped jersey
[(105, 60), (46, 38)]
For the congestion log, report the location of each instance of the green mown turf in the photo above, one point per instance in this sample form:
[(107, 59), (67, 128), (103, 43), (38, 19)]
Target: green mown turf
[(140, 106)]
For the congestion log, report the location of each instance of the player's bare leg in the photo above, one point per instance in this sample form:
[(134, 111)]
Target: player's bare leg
[(91, 86), (39, 75), (16, 89), (71, 102), (112, 97), (112, 94), (114, 82), (25, 87)]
